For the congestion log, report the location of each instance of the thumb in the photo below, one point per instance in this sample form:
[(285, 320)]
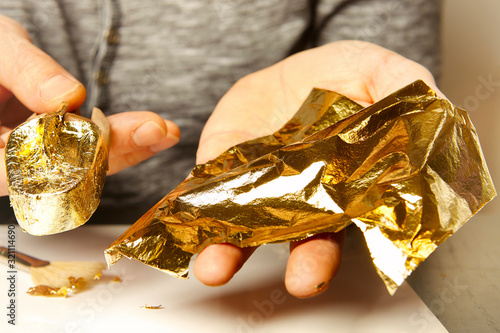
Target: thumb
[(4, 134), (3, 178), (36, 79)]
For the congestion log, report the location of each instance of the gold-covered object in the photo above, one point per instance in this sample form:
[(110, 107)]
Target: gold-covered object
[(407, 170), (56, 166)]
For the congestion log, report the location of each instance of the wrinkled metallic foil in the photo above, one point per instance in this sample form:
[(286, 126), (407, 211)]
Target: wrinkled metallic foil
[(407, 170), (56, 165)]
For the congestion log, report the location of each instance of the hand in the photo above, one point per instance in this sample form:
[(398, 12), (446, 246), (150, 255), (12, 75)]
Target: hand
[(261, 103), (31, 81)]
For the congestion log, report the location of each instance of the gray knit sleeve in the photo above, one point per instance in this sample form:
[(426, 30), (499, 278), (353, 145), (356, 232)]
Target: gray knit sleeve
[(408, 27), (14, 10), (47, 27)]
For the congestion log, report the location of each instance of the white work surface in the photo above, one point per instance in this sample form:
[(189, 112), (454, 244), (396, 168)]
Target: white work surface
[(460, 281), (254, 301)]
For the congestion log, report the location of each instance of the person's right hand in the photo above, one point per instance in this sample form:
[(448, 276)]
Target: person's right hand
[(260, 103), (32, 82)]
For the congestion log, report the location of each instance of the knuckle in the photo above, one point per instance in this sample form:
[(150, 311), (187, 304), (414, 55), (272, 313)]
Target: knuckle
[(23, 61), (26, 65)]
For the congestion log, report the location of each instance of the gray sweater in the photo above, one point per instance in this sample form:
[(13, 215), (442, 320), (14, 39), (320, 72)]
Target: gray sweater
[(178, 58)]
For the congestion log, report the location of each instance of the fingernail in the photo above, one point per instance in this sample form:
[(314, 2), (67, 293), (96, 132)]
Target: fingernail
[(57, 87), (170, 141), (148, 133)]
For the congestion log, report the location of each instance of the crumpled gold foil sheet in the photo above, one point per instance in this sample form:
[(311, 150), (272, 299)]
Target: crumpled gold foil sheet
[(56, 166), (407, 170)]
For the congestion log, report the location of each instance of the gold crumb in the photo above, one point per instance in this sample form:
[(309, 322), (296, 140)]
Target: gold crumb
[(320, 285), (76, 283), (151, 307), (48, 291), (42, 290), (117, 279)]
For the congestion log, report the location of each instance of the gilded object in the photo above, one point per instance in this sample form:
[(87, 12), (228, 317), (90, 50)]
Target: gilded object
[(56, 166)]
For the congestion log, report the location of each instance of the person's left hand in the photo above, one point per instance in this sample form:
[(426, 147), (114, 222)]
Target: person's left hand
[(261, 103), (32, 82)]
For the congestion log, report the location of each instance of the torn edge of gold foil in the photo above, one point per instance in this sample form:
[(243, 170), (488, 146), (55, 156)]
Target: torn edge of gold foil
[(407, 170)]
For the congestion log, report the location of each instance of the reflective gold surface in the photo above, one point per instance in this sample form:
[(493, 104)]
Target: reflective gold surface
[(56, 166), (408, 171)]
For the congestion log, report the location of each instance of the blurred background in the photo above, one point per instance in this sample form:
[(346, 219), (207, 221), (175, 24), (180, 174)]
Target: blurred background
[(459, 281), (471, 71)]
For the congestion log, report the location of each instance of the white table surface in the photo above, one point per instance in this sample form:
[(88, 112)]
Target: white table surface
[(254, 301), (460, 281)]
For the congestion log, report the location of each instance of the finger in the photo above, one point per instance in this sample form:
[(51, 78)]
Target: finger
[(217, 263), (360, 70), (138, 135), (312, 264), (36, 79), (391, 72), (13, 113), (3, 175), (4, 134), (5, 94), (369, 72)]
